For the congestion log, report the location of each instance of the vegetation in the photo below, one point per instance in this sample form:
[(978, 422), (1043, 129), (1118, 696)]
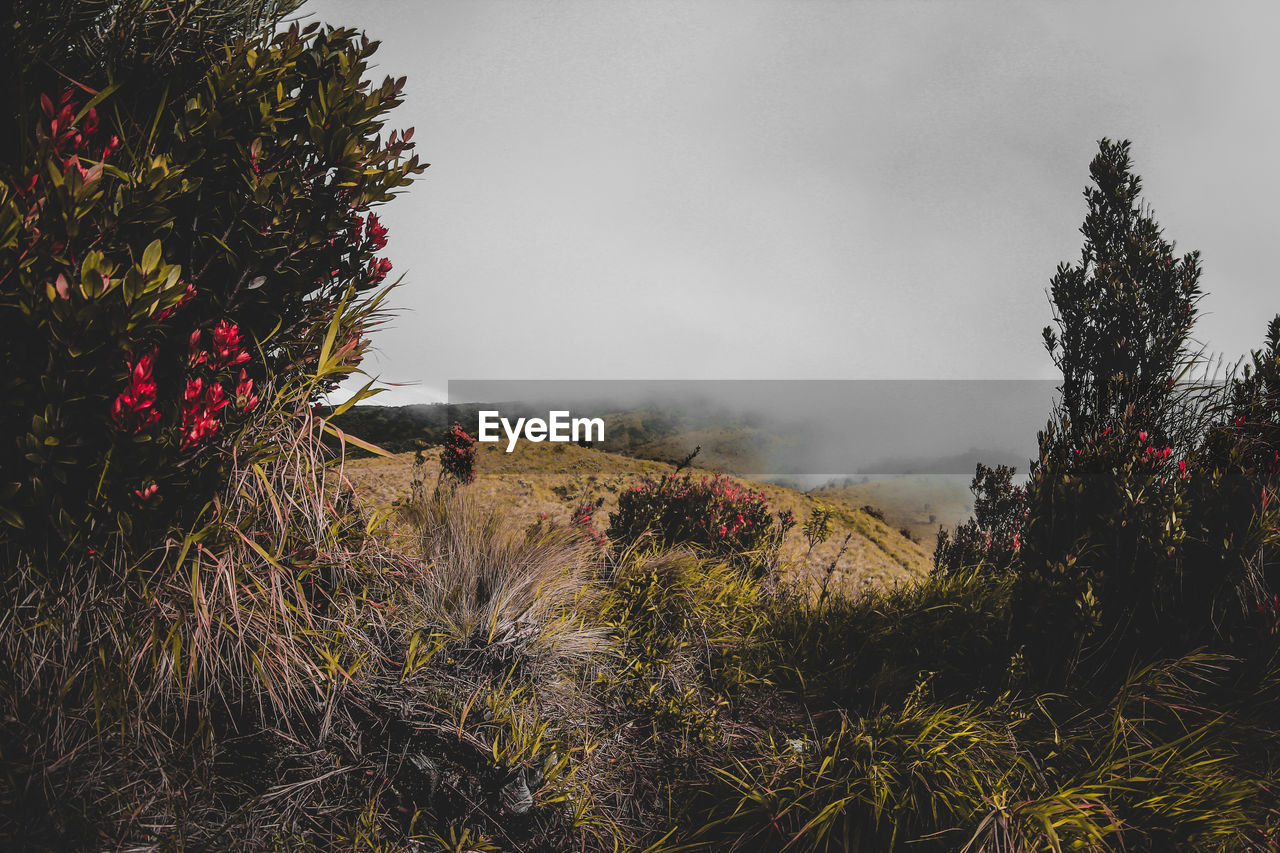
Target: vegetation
[(209, 642), (714, 514)]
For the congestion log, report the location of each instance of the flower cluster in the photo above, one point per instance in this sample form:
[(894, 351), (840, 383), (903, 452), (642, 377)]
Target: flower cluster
[(202, 402), (200, 407), (71, 140), (378, 269), (228, 345), (245, 399), (458, 458), (375, 233), (134, 408)]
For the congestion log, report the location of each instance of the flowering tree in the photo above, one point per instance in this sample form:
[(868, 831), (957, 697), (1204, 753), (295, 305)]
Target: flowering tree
[(172, 264), (1145, 515)]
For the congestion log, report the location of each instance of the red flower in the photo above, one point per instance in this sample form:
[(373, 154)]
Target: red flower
[(215, 399), (375, 233), (134, 408), (378, 269), (199, 411), (194, 354), (228, 343)]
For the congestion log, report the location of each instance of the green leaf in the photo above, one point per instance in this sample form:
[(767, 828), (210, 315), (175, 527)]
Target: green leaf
[(151, 257)]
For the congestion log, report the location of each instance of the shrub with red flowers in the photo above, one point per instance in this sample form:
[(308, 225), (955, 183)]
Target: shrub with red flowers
[(176, 263), (1147, 518), (713, 513), (458, 456)]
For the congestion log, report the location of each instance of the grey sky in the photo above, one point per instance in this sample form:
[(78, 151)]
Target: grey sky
[(800, 189)]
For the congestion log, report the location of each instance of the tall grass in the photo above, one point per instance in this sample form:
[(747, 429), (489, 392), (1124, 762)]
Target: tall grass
[(502, 593), (1177, 760)]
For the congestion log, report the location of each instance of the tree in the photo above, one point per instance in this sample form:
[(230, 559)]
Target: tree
[(1144, 517), (1125, 311), (991, 538)]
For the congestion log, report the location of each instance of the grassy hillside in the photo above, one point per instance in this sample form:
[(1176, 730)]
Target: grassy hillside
[(918, 502), (556, 478)]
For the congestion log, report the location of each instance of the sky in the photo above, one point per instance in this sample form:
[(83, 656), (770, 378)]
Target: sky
[(801, 189)]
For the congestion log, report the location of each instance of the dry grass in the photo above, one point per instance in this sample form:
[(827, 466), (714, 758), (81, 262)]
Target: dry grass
[(554, 478), (495, 586)]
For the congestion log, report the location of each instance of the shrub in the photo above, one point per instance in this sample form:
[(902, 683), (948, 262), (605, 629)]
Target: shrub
[(458, 455), (189, 261), (1146, 518), (499, 595), (950, 630), (167, 256), (713, 513)]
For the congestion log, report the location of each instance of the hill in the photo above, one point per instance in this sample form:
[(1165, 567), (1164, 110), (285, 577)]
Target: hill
[(557, 478)]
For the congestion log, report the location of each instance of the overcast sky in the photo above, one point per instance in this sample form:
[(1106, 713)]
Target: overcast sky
[(801, 189)]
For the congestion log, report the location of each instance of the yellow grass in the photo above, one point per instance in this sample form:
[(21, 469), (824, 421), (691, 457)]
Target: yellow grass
[(555, 478)]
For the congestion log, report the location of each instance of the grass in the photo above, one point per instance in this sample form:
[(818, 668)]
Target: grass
[(555, 478), (306, 672)]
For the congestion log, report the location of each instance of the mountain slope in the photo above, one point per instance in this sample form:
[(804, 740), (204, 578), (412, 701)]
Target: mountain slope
[(556, 478)]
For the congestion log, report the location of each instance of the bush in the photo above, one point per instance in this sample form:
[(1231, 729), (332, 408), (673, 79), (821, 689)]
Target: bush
[(950, 631), (168, 260), (1147, 515), (458, 455), (714, 514)]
